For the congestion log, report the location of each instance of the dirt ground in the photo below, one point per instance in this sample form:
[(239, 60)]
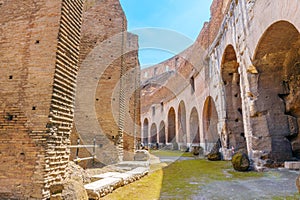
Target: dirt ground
[(275, 184)]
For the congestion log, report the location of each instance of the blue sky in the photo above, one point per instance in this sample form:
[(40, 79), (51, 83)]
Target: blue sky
[(165, 27)]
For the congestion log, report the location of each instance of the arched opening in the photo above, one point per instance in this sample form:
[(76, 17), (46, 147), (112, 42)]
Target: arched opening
[(194, 127), (145, 134), (277, 98), (153, 132), (171, 126), (210, 122), (234, 127), (181, 123), (162, 133)]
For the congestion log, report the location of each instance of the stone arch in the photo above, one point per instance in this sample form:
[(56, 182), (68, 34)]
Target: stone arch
[(233, 133), (194, 127), (210, 122), (153, 134), (181, 123), (162, 133), (276, 114), (171, 126), (145, 133)]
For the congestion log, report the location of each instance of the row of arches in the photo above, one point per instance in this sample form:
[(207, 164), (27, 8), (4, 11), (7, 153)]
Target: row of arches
[(172, 131), (261, 101)]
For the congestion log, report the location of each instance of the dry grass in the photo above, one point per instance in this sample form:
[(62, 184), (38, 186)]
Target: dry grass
[(147, 188)]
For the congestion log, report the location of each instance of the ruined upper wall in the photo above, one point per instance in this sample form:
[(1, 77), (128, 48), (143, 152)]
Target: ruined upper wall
[(206, 37), (210, 29)]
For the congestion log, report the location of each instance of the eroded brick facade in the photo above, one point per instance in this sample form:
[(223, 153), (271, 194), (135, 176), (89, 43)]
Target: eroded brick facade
[(107, 99), (39, 47)]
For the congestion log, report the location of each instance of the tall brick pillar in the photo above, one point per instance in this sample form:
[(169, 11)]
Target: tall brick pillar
[(39, 49)]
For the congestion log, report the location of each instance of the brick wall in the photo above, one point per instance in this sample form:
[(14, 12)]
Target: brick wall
[(107, 53), (39, 52)]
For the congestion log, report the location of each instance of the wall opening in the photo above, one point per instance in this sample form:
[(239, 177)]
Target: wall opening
[(145, 132), (210, 122), (153, 133), (171, 126), (194, 127), (192, 83), (234, 118), (181, 123), (277, 117), (162, 133)]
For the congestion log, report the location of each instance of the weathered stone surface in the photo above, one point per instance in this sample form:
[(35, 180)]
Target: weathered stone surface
[(215, 154), (112, 180), (293, 165), (197, 150), (141, 155), (240, 162), (39, 48), (242, 73), (73, 186), (108, 53)]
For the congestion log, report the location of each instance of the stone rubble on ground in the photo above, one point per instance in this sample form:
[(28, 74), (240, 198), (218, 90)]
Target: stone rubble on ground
[(110, 181)]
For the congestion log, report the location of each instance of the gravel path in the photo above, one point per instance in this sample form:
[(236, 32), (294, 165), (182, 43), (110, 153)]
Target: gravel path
[(279, 182)]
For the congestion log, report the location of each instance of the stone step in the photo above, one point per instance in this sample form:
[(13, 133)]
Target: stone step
[(133, 164), (295, 165), (110, 181), (102, 187), (106, 175), (139, 171)]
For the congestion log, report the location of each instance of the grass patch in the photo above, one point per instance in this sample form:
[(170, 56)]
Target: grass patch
[(145, 188), (179, 180), (292, 197), (183, 178), (166, 153)]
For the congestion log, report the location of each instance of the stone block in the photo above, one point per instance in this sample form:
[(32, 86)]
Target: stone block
[(141, 155), (102, 187), (294, 165)]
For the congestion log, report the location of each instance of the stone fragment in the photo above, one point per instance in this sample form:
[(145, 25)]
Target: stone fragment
[(197, 150), (240, 162), (214, 154), (252, 69), (141, 155)]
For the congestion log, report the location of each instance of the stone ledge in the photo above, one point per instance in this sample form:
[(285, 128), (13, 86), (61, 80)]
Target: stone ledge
[(292, 165), (110, 181)]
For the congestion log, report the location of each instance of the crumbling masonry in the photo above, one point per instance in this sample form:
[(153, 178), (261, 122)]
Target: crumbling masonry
[(241, 85), (42, 67)]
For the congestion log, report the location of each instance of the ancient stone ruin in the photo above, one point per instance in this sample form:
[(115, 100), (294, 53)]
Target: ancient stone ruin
[(52, 51), (70, 72), (239, 82)]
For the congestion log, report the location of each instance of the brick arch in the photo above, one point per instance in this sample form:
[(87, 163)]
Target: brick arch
[(182, 136), (171, 126), (194, 127), (145, 132), (277, 95), (234, 134), (153, 134), (162, 133), (287, 10), (210, 122)]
